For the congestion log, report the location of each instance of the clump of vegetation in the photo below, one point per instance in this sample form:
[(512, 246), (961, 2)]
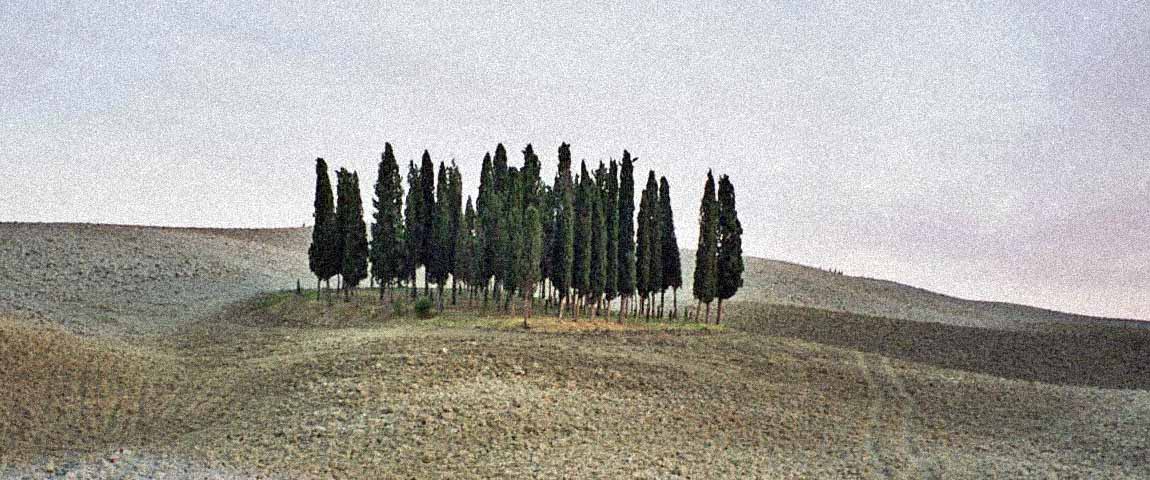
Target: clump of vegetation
[(424, 308)]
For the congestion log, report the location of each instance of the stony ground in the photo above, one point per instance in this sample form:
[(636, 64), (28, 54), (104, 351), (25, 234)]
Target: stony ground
[(285, 387)]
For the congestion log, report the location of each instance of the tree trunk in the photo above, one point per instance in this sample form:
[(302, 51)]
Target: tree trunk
[(526, 312), (719, 312), (662, 298), (426, 283), (454, 290), (675, 303), (708, 312)]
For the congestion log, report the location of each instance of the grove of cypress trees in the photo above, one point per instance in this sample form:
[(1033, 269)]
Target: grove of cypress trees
[(413, 226), (626, 206), (387, 227), (672, 267), (563, 256), (322, 259), (706, 256), (730, 256), (581, 265), (532, 248), (427, 218), (354, 268)]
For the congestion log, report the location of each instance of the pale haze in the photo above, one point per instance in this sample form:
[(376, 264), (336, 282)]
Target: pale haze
[(991, 152)]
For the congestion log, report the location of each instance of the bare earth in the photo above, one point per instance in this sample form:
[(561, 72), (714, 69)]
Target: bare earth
[(177, 365)]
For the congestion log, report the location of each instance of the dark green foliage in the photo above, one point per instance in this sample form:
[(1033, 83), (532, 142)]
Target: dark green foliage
[(354, 267), (581, 265), (609, 194), (427, 214), (499, 168), (440, 261), (424, 308), (343, 214), (531, 184), (730, 257), (322, 259), (490, 209), (563, 254), (626, 266), (387, 227), (706, 255), (531, 258), (598, 280), (466, 246), (512, 222), (413, 225), (648, 251), (455, 219), (672, 266)]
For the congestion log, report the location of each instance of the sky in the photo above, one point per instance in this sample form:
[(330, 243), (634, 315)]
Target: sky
[(988, 150)]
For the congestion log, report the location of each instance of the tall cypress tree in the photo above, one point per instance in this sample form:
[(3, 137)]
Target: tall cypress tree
[(466, 247), (581, 266), (626, 266), (730, 257), (654, 221), (532, 248), (672, 267), (342, 218), (647, 247), (499, 169), (512, 223), (609, 194), (413, 226), (354, 268), (322, 260), (706, 255), (439, 265), (455, 181), (490, 210), (427, 218), (563, 256), (598, 239), (387, 227)]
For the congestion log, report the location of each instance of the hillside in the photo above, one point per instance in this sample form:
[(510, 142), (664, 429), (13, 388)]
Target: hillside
[(112, 279), (135, 352), (783, 283), (108, 279)]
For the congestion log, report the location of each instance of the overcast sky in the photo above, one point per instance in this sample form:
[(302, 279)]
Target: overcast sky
[(992, 152)]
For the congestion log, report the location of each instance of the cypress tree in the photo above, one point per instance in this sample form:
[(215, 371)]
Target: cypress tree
[(321, 254), (455, 180), (531, 184), (563, 256), (439, 265), (654, 221), (609, 194), (706, 256), (355, 244), (427, 218), (529, 275), (581, 266), (465, 254), (672, 268), (512, 223), (647, 247), (490, 210), (547, 217), (730, 257), (499, 169), (342, 219), (413, 225), (626, 206), (387, 227), (598, 232)]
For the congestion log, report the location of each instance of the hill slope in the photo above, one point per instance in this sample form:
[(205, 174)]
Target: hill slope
[(128, 279), (112, 279), (783, 283)]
